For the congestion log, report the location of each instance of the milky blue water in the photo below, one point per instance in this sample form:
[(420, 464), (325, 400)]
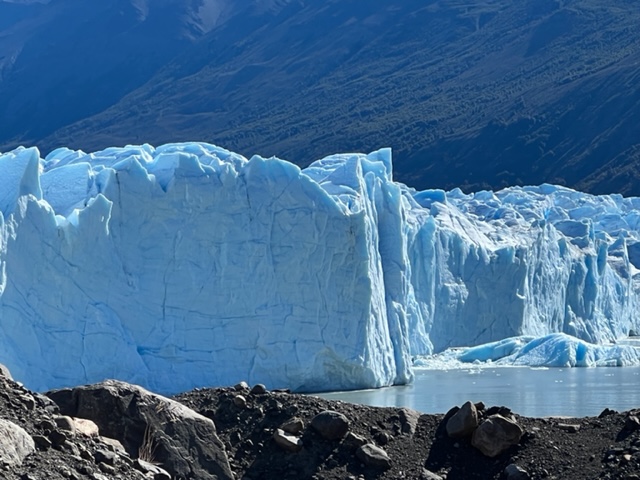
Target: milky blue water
[(574, 392)]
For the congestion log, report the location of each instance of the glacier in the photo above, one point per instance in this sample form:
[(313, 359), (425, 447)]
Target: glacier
[(188, 265)]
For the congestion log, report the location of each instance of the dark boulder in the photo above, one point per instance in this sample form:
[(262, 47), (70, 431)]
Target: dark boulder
[(150, 427), (373, 456), (330, 425), (463, 422), (495, 435)]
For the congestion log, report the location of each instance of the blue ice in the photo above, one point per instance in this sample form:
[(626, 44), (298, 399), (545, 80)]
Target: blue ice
[(188, 265)]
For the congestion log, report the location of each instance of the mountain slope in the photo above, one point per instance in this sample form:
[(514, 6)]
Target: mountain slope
[(474, 95), (70, 59)]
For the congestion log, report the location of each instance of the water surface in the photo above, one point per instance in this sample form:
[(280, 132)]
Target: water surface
[(573, 392)]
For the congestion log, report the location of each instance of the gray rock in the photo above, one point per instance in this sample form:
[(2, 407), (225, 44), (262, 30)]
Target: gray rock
[(294, 426), (241, 387), (429, 475), (28, 401), (606, 412), (48, 404), (514, 472), (569, 427), (239, 401), (632, 423), (113, 444), (354, 441), (105, 456), (153, 471), (183, 441), (47, 425), (330, 425), (85, 427), (15, 443), (57, 438), (65, 423), (106, 468), (290, 443), (463, 422), (495, 435), (382, 438), (409, 420), (72, 448), (373, 456), (84, 452), (41, 441), (4, 371), (258, 389)]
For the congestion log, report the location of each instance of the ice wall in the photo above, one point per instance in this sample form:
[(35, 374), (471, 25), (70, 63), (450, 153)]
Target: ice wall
[(187, 265), (527, 261)]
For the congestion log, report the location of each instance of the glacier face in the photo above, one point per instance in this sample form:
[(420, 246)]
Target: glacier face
[(188, 265)]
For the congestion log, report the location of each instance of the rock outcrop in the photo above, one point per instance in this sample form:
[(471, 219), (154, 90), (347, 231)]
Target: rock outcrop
[(150, 427)]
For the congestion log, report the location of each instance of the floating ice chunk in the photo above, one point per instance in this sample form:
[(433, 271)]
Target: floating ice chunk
[(554, 350), (561, 350), (493, 351)]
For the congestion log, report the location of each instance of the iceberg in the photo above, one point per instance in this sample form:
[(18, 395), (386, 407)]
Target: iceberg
[(557, 350), (188, 265)]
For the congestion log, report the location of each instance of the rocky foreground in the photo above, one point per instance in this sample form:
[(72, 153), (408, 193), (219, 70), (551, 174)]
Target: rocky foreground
[(115, 430)]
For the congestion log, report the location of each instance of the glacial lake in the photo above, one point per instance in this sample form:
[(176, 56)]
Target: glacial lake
[(532, 392)]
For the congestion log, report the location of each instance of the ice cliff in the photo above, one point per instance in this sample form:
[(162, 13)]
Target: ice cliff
[(188, 265)]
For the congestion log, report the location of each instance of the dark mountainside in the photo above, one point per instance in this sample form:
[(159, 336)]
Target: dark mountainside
[(477, 95), (66, 60)]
